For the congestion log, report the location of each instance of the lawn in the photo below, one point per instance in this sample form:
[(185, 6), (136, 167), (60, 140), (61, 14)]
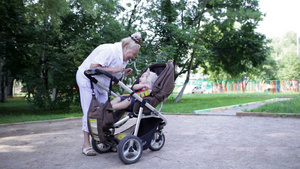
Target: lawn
[(18, 110), (191, 102), (289, 106)]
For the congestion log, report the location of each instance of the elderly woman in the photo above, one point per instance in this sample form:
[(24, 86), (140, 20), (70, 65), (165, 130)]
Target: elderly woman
[(112, 58)]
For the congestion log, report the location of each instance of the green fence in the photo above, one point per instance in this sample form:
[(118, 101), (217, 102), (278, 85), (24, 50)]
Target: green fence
[(272, 86)]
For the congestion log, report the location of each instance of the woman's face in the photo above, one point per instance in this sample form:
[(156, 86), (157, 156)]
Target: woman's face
[(130, 53)]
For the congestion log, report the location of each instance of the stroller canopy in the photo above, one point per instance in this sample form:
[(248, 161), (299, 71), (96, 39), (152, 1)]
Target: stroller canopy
[(162, 87), (164, 84)]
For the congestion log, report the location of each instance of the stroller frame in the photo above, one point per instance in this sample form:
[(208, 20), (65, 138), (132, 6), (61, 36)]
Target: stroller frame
[(131, 146)]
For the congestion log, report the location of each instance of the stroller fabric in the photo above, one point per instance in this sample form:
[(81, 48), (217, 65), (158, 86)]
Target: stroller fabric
[(100, 116), (146, 131), (162, 87)]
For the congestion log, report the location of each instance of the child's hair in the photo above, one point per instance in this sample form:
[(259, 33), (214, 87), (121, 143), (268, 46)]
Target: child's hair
[(151, 77)]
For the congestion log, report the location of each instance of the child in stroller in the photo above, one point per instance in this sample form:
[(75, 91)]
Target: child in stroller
[(143, 88), (147, 130)]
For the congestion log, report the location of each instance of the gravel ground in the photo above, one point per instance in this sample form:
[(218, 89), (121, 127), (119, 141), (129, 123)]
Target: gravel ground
[(192, 141)]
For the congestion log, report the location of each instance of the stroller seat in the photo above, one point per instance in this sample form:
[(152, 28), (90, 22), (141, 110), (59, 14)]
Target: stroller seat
[(161, 89)]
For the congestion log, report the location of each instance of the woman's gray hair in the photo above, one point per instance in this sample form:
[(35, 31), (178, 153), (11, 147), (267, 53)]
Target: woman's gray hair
[(134, 40)]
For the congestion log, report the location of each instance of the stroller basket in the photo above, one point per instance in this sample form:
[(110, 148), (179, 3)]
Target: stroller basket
[(147, 129)]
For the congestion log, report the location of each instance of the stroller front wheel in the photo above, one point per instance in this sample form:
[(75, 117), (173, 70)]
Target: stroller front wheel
[(130, 149), (158, 141)]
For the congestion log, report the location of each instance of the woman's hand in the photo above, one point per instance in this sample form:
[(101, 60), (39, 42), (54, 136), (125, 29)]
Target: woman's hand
[(119, 68), (128, 71)]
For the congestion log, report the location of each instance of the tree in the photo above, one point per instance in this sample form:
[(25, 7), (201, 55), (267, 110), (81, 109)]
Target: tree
[(84, 30), (48, 40), (13, 51), (84, 26), (44, 18), (204, 33), (188, 33), (286, 56), (290, 66)]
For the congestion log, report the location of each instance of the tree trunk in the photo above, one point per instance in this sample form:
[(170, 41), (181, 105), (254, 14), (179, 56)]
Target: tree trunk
[(226, 81), (187, 77), (10, 86), (53, 94), (186, 80), (197, 20), (181, 91), (243, 85), (3, 81), (130, 21)]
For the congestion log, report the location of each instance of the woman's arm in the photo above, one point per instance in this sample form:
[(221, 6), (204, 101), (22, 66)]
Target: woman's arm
[(108, 69)]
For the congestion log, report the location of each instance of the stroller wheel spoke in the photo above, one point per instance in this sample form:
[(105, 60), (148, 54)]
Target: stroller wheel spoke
[(101, 145), (135, 152), (126, 152)]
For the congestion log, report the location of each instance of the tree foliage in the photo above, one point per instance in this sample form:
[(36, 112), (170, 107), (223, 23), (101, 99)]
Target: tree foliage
[(60, 34), (285, 53), (217, 35), (14, 35), (45, 41)]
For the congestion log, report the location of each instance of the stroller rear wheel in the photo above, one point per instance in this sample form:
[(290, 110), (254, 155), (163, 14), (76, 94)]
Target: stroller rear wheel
[(130, 149), (158, 141), (100, 147)]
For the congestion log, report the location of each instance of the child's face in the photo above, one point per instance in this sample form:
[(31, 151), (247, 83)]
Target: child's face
[(143, 78)]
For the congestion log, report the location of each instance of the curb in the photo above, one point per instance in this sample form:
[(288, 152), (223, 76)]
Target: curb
[(41, 121), (263, 114), (232, 106)]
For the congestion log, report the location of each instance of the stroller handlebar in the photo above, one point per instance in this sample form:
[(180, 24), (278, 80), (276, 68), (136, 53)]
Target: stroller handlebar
[(90, 72)]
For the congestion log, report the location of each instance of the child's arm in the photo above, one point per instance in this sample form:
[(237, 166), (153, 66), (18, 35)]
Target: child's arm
[(140, 86)]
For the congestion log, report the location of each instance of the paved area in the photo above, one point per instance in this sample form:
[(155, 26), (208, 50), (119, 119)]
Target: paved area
[(192, 141)]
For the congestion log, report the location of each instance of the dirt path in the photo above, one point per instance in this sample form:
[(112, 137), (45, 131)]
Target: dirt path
[(192, 141)]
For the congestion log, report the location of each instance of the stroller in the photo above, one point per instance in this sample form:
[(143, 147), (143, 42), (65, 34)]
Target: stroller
[(143, 126)]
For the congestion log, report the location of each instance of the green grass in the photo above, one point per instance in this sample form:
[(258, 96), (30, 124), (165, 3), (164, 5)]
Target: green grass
[(191, 102), (18, 110), (289, 106)]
